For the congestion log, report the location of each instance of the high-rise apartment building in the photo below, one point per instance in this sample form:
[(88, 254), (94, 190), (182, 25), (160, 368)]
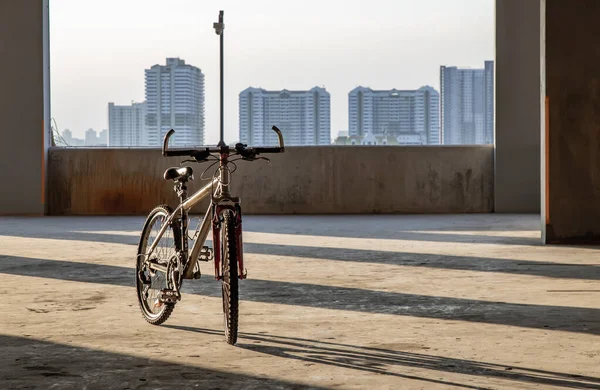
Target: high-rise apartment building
[(304, 117), (126, 125), (103, 137), (91, 138), (67, 136), (175, 100), (412, 114), (467, 105)]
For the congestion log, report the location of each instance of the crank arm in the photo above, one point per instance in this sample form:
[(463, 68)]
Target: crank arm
[(157, 267)]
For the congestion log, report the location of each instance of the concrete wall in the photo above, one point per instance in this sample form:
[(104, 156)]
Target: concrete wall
[(517, 181), (23, 94), (304, 180), (572, 66)]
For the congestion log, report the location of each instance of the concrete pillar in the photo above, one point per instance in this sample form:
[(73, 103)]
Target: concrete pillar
[(571, 163), (517, 161), (24, 106)]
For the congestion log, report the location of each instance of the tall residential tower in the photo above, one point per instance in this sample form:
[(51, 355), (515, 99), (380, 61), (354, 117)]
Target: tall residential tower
[(175, 100), (414, 114), (126, 125), (302, 116), (467, 108)]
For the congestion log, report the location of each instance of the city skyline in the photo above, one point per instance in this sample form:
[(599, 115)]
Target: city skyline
[(304, 116), (174, 100), (91, 138), (95, 57), (461, 114)]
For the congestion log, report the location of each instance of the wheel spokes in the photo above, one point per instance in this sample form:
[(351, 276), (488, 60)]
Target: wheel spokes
[(163, 252)]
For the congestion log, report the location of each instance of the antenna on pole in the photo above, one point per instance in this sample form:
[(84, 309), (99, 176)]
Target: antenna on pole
[(219, 27)]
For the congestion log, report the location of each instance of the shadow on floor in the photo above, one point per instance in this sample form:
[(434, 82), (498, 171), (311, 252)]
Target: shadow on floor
[(88, 235), (30, 363), (459, 263), (425, 228), (462, 263), (492, 228), (431, 228), (389, 225), (389, 362), (570, 319), (116, 238)]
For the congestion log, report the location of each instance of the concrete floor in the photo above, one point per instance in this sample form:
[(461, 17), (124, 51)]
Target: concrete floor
[(364, 302)]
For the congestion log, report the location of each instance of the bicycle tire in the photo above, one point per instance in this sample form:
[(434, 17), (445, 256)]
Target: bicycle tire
[(167, 308), (229, 283)]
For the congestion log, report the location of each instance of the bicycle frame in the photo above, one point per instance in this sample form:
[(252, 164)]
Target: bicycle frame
[(221, 200)]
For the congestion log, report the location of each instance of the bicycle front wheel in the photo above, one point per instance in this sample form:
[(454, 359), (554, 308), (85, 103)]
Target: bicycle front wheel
[(229, 285)]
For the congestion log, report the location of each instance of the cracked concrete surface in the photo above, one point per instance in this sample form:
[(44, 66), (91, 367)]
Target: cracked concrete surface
[(386, 302)]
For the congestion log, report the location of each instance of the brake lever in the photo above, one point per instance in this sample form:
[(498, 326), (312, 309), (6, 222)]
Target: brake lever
[(255, 158)]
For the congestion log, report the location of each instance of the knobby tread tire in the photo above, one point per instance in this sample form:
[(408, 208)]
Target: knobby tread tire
[(229, 260)]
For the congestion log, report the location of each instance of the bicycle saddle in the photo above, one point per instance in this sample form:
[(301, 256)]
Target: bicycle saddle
[(183, 173)]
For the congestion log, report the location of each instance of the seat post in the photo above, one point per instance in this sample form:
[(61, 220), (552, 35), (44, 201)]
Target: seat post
[(181, 189)]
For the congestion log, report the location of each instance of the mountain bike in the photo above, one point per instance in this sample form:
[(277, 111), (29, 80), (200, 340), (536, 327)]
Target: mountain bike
[(167, 254), (164, 255)]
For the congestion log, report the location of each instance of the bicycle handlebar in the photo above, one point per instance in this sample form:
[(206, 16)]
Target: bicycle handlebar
[(280, 136), (200, 154)]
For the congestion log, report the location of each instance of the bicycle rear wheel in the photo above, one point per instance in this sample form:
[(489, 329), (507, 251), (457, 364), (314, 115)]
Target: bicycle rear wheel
[(229, 285), (150, 283)]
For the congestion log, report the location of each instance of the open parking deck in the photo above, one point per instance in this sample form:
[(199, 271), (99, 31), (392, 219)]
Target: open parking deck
[(411, 302)]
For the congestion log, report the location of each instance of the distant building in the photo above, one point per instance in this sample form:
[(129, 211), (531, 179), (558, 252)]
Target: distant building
[(67, 136), (103, 137), (91, 138), (414, 114), (341, 138), (126, 125), (304, 117), (175, 100), (467, 105), (78, 142)]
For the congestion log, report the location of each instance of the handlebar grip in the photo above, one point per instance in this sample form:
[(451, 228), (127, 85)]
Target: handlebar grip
[(268, 150), (180, 153), (280, 136), (198, 155), (165, 146)]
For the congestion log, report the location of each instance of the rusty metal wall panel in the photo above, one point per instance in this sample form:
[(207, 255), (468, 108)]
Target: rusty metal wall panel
[(304, 180)]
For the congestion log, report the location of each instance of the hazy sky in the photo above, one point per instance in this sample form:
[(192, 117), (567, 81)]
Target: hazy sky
[(99, 49)]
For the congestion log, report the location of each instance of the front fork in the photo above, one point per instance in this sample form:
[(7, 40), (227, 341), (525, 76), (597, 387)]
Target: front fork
[(216, 228)]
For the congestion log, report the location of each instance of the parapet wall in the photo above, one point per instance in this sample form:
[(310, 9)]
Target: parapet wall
[(303, 180)]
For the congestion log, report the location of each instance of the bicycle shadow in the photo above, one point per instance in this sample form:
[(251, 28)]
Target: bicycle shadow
[(30, 363), (387, 361)]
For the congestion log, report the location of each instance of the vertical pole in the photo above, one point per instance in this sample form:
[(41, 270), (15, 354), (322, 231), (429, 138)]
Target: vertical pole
[(48, 136), (220, 27)]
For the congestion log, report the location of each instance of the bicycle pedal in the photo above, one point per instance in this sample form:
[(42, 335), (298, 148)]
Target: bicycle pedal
[(206, 254), (196, 275), (168, 296)]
